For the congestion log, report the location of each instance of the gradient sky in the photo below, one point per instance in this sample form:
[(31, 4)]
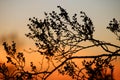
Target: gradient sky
[(14, 15)]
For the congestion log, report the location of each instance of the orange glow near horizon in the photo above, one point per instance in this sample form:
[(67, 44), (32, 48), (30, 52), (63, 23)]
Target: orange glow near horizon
[(35, 58), (14, 17)]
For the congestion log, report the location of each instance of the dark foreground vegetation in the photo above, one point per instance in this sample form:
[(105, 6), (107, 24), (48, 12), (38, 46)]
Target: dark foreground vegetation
[(58, 39)]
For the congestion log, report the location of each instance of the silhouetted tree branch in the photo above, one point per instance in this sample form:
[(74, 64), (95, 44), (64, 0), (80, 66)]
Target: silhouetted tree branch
[(114, 27), (59, 40)]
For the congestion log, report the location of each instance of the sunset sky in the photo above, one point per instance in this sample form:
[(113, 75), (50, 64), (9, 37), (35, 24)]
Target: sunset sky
[(14, 15)]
